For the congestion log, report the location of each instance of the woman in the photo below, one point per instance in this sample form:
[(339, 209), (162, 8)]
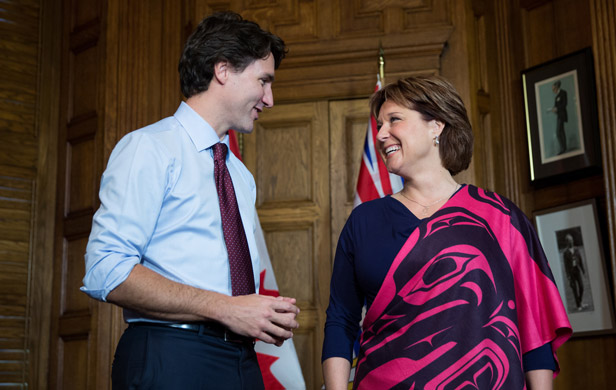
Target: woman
[(458, 289)]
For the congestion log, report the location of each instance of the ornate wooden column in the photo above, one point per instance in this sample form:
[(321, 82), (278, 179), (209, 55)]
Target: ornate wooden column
[(509, 123), (603, 18)]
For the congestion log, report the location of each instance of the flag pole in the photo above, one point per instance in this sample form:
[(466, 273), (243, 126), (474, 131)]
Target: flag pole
[(382, 64)]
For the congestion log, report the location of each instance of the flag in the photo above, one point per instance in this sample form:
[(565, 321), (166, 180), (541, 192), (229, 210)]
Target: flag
[(374, 181), (279, 365)]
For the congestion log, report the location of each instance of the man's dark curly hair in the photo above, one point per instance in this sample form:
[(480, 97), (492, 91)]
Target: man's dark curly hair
[(224, 36)]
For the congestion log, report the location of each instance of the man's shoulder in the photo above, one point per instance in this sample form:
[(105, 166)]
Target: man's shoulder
[(163, 133), (158, 129)]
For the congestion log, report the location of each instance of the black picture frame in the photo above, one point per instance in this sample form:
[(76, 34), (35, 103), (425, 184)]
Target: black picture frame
[(561, 118), (571, 239)]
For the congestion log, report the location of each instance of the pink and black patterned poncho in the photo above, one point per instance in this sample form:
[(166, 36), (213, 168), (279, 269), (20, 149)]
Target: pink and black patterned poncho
[(468, 294)]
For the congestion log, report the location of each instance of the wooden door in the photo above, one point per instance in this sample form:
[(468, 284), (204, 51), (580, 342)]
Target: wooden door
[(79, 356), (348, 120), (117, 75), (288, 154)]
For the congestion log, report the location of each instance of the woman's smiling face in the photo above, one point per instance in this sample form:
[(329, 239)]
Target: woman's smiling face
[(405, 139)]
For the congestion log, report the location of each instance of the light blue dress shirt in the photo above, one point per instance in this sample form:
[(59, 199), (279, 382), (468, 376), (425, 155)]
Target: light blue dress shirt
[(159, 208)]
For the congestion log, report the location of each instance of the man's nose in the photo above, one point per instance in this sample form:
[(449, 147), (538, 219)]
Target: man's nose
[(268, 98)]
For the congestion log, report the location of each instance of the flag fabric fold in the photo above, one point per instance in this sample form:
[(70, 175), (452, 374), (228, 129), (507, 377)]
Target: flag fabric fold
[(280, 366), (374, 181)]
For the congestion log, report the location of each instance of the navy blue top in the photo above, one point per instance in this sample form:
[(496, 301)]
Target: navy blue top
[(370, 240)]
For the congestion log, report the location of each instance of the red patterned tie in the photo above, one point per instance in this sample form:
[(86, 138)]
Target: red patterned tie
[(242, 281)]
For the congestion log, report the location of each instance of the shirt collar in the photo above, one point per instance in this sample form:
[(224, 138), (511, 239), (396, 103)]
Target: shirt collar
[(200, 132)]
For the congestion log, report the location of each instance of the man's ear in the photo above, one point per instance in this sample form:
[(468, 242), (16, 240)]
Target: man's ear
[(221, 71)]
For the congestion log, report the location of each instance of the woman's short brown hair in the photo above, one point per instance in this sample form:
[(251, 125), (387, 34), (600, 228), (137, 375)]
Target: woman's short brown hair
[(434, 98)]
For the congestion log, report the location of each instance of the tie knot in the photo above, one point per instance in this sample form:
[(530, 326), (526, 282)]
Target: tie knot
[(220, 151)]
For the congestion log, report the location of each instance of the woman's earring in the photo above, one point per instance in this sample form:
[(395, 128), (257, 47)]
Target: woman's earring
[(436, 141)]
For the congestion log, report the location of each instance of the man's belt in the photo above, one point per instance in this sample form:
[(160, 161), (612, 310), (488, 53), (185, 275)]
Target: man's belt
[(209, 328)]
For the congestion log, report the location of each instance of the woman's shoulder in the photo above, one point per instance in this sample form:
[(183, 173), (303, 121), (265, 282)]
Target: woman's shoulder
[(377, 207), (498, 202), (373, 204), (482, 194)]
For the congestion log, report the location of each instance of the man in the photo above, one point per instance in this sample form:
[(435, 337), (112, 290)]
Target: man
[(560, 109), (164, 244), (574, 268)]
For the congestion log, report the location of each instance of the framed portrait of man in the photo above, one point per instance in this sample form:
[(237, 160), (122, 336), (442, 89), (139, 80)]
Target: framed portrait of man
[(571, 238), (561, 118)]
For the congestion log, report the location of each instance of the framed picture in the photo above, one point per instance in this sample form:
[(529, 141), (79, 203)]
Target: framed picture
[(572, 243), (561, 117)]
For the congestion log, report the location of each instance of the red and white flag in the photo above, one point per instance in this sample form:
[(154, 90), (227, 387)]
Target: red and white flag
[(374, 181), (279, 365)]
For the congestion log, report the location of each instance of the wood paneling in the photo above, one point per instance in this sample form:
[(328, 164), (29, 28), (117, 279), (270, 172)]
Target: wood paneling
[(484, 108), (333, 45), (288, 155), (603, 22), (119, 63), (551, 29), (348, 123), (587, 363), (78, 151), (27, 167), (508, 61), (119, 72)]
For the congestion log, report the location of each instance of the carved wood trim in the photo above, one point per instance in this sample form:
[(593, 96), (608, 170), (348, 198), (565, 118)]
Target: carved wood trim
[(347, 67), (293, 216), (509, 124)]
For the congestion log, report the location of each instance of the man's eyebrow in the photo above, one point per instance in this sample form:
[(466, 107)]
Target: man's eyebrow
[(269, 77)]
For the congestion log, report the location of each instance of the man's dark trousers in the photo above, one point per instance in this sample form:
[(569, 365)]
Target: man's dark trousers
[(162, 358)]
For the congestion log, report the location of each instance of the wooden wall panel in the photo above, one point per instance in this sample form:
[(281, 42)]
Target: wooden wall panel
[(293, 272), (587, 363), (368, 17), (74, 358), (27, 103), (73, 300), (81, 174), (348, 122), (79, 150), (550, 29), (308, 363), (286, 182), (83, 83), (128, 51), (539, 34), (119, 73), (289, 158), (484, 106), (554, 28), (603, 23), (333, 46)]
